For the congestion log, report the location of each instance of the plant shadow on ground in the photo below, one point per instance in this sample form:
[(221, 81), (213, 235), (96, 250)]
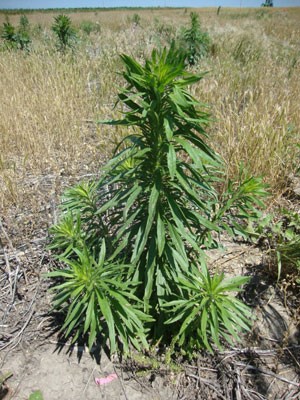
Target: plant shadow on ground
[(275, 329), (257, 293), (80, 346), (263, 293)]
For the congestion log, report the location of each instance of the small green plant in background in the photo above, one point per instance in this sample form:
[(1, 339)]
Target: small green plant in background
[(280, 235), (15, 38), (24, 25), (24, 33), (194, 41), (135, 19), (267, 3), (9, 34), (139, 235), (65, 33), (88, 27), (164, 33)]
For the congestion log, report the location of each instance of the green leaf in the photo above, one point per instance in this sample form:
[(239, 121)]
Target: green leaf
[(143, 234), (89, 313), (136, 190), (72, 319), (150, 269), (189, 319), (59, 273), (204, 322), (36, 395), (93, 331), (161, 235), (172, 161), (107, 313), (102, 254), (168, 130)]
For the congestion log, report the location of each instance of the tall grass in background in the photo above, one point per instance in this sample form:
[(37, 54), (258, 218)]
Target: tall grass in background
[(48, 105), (256, 119)]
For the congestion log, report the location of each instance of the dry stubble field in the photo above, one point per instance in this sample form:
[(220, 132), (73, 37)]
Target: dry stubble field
[(49, 138)]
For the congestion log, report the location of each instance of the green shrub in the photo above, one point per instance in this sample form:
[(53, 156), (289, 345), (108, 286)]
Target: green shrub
[(194, 41), (65, 33), (157, 208), (15, 39), (37, 29), (267, 3), (88, 27), (9, 34), (135, 19), (282, 236), (24, 24)]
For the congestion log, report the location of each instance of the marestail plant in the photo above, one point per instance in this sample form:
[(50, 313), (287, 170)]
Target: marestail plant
[(65, 33), (24, 25), (194, 40), (158, 208), (9, 34), (15, 39)]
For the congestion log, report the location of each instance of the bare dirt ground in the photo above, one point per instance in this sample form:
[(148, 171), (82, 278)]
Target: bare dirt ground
[(265, 366), (72, 376)]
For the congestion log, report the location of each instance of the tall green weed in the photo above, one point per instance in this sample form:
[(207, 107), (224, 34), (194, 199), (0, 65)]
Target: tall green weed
[(152, 215), (194, 40), (65, 32), (16, 38)]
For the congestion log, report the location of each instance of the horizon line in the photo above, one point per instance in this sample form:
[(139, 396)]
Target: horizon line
[(137, 7)]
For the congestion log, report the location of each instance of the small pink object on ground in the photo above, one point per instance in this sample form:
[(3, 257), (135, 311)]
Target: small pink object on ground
[(104, 381)]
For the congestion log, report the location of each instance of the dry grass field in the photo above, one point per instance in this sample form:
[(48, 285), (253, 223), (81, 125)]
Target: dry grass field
[(49, 103)]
